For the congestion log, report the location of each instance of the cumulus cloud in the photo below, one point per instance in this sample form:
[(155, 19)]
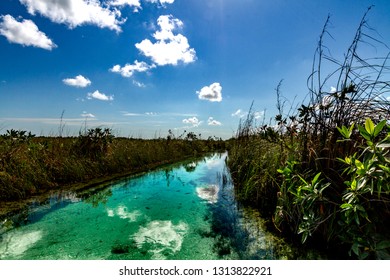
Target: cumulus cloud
[(100, 96), (169, 49), (78, 81), (194, 121), (74, 13), (129, 69), (136, 4), (24, 32), (211, 93), (213, 122)]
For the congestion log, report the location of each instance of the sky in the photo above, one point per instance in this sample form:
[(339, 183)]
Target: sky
[(144, 67)]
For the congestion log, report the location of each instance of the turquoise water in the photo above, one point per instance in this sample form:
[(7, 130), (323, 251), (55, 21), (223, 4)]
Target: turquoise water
[(185, 211)]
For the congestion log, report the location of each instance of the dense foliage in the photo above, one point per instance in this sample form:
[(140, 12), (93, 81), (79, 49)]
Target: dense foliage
[(321, 172)]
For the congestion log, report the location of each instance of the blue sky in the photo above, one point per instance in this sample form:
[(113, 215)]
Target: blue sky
[(142, 67)]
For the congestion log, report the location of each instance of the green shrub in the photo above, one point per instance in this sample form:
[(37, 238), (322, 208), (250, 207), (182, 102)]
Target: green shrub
[(295, 166)]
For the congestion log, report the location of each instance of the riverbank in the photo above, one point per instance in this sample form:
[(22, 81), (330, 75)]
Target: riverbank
[(321, 172), (34, 167), (81, 189)]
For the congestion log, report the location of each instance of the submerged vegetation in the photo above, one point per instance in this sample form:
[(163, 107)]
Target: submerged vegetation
[(31, 165), (321, 172)]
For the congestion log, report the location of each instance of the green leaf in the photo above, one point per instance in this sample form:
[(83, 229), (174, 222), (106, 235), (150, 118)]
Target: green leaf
[(359, 164), (285, 170), (303, 180), (357, 220), (383, 245), (369, 126), (353, 185), (355, 248), (364, 255), (384, 168), (343, 131), (351, 128), (378, 128), (345, 206), (315, 179), (364, 133)]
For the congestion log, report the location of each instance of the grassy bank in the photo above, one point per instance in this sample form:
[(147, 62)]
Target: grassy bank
[(321, 172), (32, 165)]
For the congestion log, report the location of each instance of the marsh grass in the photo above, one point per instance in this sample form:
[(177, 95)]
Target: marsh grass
[(292, 169), (31, 165)]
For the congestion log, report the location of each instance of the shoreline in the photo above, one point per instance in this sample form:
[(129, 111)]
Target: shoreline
[(81, 189)]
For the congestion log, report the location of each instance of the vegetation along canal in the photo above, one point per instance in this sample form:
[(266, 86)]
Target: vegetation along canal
[(185, 211)]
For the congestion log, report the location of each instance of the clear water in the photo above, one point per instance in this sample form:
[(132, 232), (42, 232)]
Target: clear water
[(180, 212)]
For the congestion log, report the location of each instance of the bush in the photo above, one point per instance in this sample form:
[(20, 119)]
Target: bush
[(295, 164)]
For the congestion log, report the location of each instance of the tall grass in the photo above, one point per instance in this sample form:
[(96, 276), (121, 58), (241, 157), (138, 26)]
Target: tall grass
[(31, 165), (309, 164)]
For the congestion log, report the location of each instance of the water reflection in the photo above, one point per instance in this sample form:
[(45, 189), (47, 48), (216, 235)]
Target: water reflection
[(186, 211), (14, 244), (161, 238), (208, 193), (123, 213)]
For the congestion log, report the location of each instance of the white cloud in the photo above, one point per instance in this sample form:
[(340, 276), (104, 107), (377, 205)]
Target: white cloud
[(78, 81), (213, 122), (127, 114), (148, 114), (74, 13), (24, 32), (258, 115), (333, 89), (239, 113), (100, 96), (211, 93), (129, 69), (167, 1), (161, 2), (132, 3), (88, 115), (169, 49), (136, 4), (139, 84), (194, 122)]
